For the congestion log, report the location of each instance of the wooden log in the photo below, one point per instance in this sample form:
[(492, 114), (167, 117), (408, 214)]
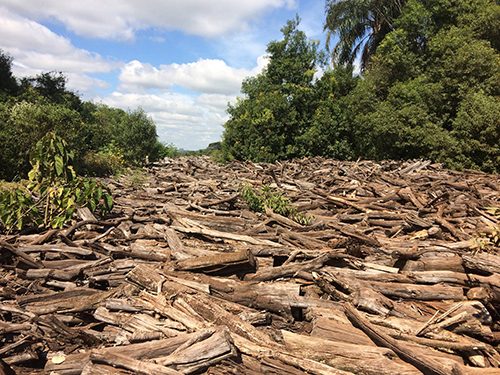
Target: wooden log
[(146, 277), (146, 323), (359, 359), (424, 364), (311, 366), (63, 304), (138, 367), (177, 249), (224, 264), (224, 235), (201, 354), (482, 262), (440, 263), (59, 248), (26, 258), (292, 269), (277, 297), (71, 364), (410, 291), (157, 348), (159, 304), (149, 250), (211, 312), (45, 273)]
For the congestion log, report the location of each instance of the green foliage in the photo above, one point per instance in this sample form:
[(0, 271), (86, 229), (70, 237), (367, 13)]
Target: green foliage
[(8, 83), (433, 90), (54, 192), (52, 87), (135, 133), (278, 202), (168, 151), (360, 27), (279, 104), (107, 161), (23, 124), (35, 106)]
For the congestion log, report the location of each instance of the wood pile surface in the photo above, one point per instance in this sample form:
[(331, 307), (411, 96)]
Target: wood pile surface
[(394, 269)]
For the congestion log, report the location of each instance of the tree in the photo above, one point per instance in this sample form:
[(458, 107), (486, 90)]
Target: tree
[(361, 25), (52, 87), (433, 90), (8, 83), (278, 104)]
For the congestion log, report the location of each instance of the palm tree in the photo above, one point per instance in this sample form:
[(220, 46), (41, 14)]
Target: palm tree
[(360, 25)]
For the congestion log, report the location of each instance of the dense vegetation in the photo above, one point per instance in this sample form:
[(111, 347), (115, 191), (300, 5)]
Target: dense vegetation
[(430, 88), (102, 139)]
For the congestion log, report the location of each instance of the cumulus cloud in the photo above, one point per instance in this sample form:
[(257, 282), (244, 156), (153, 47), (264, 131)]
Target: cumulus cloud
[(203, 76), (35, 49), (120, 19), (182, 119)]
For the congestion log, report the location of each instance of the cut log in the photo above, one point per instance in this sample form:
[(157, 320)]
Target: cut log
[(426, 365), (138, 367), (202, 354), (224, 264)]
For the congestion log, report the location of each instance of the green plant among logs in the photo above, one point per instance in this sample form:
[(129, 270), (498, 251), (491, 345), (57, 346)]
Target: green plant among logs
[(53, 192), (278, 202)]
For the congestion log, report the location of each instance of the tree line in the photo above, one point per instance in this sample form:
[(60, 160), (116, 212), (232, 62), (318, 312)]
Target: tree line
[(103, 139), (429, 87)]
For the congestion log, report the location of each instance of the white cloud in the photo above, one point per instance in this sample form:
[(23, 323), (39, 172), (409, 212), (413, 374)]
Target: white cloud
[(35, 49), (191, 119), (120, 19), (186, 121), (203, 76)]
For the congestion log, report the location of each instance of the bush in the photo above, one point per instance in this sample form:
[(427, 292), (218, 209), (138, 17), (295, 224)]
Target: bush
[(54, 192), (23, 124), (278, 202)]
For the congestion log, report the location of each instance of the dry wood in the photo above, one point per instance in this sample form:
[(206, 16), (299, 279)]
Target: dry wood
[(138, 367), (238, 262), (164, 280), (424, 364)]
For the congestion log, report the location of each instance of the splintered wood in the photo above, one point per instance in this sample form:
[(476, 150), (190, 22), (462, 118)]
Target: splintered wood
[(391, 268)]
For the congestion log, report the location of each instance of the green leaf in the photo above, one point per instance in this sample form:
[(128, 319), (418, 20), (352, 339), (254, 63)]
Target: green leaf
[(98, 194), (92, 205), (60, 147), (108, 202), (59, 164)]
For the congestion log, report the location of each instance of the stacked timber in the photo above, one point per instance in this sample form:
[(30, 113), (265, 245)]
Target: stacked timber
[(395, 271)]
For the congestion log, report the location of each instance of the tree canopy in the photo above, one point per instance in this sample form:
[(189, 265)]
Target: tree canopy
[(431, 88), (103, 139), (281, 105), (360, 25)]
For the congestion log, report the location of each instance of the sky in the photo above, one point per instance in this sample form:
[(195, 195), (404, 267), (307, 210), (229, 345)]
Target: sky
[(182, 61)]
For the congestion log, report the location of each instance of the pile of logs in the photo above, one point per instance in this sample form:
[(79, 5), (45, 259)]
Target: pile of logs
[(396, 272)]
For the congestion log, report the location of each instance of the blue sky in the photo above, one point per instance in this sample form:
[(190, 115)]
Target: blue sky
[(182, 61)]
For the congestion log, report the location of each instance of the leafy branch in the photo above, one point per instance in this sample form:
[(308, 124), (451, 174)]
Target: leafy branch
[(54, 191), (278, 202)]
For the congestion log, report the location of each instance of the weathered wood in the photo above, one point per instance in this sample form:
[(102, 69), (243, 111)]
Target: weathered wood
[(138, 367), (404, 241), (215, 314), (348, 357), (201, 353), (424, 364), (224, 235), (5, 246), (291, 269), (224, 264)]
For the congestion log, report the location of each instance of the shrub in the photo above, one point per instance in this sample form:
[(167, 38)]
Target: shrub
[(278, 202), (54, 192)]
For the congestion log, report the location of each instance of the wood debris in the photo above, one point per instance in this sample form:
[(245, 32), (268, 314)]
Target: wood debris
[(395, 271)]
